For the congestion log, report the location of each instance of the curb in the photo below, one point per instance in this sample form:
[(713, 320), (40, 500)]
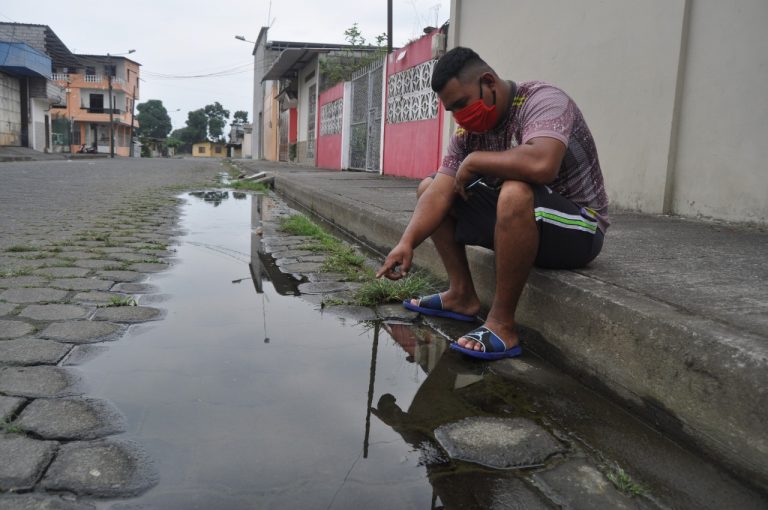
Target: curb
[(700, 381)]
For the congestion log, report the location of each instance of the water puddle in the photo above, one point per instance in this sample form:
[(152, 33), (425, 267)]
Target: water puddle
[(247, 395)]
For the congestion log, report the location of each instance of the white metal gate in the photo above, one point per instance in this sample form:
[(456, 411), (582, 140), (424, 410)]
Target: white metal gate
[(365, 129)]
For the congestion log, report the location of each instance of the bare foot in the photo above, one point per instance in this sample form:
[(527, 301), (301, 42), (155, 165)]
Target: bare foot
[(459, 303), (506, 333)]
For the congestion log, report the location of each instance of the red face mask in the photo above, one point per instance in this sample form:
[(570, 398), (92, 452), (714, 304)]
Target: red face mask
[(477, 117)]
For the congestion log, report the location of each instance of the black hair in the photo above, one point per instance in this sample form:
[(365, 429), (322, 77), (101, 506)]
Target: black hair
[(456, 64)]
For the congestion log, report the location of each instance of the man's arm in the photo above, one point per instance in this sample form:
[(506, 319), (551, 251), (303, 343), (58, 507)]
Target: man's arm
[(431, 210), (536, 162)]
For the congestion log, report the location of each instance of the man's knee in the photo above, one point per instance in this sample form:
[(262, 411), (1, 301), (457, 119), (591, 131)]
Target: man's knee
[(515, 197), (423, 185)]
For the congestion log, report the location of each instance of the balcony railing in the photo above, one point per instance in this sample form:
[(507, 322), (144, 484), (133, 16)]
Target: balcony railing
[(59, 77), (115, 111), (98, 78)]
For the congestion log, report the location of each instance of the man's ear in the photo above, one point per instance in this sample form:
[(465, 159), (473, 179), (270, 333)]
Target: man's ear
[(488, 79)]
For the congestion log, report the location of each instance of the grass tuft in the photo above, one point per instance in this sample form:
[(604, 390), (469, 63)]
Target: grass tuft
[(23, 271), (10, 428), (249, 186), (116, 301), (379, 291), (18, 248), (623, 482)]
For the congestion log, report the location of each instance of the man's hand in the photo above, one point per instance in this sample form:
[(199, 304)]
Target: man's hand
[(400, 256), (464, 176)]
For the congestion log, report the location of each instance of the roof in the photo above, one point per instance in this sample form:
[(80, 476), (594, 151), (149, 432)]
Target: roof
[(104, 58), (295, 55), (52, 45)]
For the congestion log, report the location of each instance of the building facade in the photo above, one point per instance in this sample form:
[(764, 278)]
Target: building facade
[(101, 91), (28, 53)]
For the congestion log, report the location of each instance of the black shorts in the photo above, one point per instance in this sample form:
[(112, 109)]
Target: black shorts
[(568, 233)]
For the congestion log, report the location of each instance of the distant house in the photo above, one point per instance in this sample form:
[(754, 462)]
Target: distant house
[(89, 106), (236, 137), (209, 150)]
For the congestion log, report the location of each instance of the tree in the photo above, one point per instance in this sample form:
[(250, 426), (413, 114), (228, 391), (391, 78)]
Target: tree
[(197, 127), (153, 118), (217, 118), (240, 117), (353, 35)]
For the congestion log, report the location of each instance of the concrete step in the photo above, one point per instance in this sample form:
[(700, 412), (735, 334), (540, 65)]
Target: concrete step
[(700, 379)]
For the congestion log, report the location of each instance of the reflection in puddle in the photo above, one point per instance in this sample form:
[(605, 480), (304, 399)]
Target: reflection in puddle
[(247, 396)]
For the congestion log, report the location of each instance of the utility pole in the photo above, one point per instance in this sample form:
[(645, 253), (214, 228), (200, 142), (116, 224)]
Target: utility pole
[(389, 27), (111, 114), (133, 108)]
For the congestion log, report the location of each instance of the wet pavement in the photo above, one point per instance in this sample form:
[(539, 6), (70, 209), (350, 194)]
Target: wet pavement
[(231, 386)]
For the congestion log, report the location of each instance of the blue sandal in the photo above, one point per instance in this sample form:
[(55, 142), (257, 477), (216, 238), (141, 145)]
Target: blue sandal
[(493, 347), (433, 305)]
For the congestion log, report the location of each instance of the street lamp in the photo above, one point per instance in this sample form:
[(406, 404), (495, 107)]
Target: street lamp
[(111, 105), (242, 38)]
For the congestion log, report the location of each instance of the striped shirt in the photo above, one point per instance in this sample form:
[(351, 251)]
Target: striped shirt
[(541, 109)]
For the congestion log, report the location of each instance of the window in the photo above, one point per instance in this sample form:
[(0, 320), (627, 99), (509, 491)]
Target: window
[(217, 149), (110, 70), (96, 103), (201, 150)]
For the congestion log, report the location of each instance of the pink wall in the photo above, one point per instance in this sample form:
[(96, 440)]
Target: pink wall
[(412, 149), (328, 151)]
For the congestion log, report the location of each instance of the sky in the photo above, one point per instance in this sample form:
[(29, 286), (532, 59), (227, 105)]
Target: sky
[(192, 37)]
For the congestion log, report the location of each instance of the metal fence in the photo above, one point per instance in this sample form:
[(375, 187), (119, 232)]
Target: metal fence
[(365, 132)]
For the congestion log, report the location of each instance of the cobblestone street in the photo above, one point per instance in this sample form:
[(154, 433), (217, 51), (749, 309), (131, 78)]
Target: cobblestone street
[(76, 237)]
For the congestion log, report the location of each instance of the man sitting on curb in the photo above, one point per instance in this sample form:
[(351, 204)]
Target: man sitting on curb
[(521, 176)]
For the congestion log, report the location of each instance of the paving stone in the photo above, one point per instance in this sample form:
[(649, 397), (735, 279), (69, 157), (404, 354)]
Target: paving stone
[(82, 284), (292, 254), (14, 329), (97, 263), (498, 442), (576, 484), (71, 418), (31, 351), (40, 263), (6, 308), (53, 312), (23, 461), (148, 267), (38, 381), (135, 288), (302, 267), (128, 256), (81, 332), (8, 406), (97, 296), (396, 311), (121, 276), (40, 502), (12, 282), (103, 468), (115, 249), (33, 295), (285, 261), (351, 312), (63, 272), (127, 314), (327, 277), (312, 258), (274, 243), (323, 287), (80, 254)]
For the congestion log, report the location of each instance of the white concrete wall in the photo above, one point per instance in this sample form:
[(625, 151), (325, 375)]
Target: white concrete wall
[(37, 139), (721, 168), (672, 90)]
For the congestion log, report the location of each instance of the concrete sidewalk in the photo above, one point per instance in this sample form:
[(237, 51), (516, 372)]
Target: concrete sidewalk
[(672, 318)]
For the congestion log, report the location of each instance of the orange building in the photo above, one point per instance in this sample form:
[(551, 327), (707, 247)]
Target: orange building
[(88, 110)]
